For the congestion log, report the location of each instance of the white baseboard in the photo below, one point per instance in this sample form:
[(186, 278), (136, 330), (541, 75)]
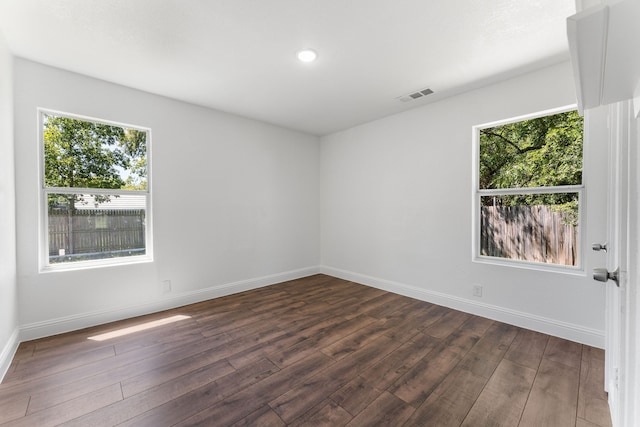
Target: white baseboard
[(569, 331), (9, 350), (71, 323)]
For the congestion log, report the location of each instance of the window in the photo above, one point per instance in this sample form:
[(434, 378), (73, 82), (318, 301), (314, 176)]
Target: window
[(95, 192), (528, 190)]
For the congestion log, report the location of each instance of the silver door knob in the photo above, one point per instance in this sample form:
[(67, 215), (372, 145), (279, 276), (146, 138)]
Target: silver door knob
[(599, 247), (602, 275)]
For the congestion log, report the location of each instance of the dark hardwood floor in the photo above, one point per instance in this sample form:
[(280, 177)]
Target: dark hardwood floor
[(314, 351)]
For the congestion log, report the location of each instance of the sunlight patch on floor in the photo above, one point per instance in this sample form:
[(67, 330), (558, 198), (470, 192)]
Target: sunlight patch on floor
[(138, 328)]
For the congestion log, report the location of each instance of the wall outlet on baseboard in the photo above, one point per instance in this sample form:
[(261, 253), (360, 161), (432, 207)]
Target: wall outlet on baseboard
[(165, 286), (477, 290)]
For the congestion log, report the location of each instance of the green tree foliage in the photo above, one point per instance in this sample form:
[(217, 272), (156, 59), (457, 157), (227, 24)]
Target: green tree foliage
[(540, 152), (84, 154), (135, 150)]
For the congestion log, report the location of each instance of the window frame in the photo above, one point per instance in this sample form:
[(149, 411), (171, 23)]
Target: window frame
[(478, 193), (43, 211)]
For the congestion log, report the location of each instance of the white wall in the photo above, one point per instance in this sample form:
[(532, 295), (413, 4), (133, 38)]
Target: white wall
[(396, 206), (235, 204), (8, 286)]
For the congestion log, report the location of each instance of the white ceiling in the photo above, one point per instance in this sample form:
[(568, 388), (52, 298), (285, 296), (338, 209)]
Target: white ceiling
[(239, 55)]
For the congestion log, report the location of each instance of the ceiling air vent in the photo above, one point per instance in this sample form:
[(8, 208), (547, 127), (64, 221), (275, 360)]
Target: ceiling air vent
[(415, 95)]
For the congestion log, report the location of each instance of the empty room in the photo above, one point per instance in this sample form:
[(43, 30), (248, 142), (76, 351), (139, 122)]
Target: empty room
[(319, 213)]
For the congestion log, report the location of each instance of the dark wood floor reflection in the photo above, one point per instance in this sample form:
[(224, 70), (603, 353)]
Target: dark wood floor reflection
[(314, 351)]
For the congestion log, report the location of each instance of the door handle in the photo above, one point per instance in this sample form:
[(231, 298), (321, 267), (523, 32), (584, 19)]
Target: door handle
[(602, 275), (599, 247)]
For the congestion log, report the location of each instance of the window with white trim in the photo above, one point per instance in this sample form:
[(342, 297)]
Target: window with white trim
[(95, 192), (528, 190)]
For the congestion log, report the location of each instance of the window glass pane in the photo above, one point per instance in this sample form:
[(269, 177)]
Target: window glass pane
[(85, 154), (540, 152), (532, 227), (89, 227)]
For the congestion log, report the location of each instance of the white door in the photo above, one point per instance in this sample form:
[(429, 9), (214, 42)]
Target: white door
[(622, 233)]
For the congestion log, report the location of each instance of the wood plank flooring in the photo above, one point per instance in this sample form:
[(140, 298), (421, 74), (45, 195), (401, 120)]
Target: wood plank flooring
[(317, 351)]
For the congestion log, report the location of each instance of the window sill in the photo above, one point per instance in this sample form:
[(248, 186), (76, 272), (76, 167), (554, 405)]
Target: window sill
[(89, 265), (528, 265)]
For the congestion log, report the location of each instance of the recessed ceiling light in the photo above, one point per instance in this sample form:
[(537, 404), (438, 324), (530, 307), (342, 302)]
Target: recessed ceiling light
[(307, 55)]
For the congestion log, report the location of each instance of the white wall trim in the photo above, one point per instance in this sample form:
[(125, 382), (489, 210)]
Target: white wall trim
[(79, 321), (9, 350), (530, 321)]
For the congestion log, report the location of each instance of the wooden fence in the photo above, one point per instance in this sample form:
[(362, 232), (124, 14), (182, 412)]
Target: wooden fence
[(90, 232), (530, 233)]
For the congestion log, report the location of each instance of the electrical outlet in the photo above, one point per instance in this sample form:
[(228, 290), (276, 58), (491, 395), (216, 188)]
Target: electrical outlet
[(477, 290), (166, 286)]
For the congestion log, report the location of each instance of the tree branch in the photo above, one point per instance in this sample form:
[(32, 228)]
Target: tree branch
[(513, 144)]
